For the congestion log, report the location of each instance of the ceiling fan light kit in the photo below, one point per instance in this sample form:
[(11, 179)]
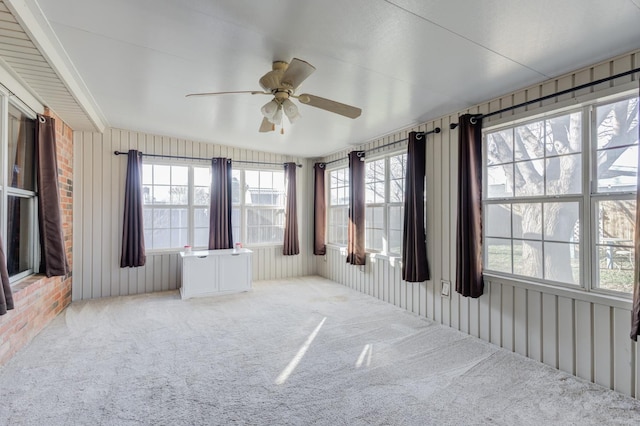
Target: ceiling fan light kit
[(282, 82)]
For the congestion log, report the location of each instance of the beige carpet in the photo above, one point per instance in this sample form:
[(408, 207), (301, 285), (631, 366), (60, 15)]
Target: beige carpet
[(300, 351)]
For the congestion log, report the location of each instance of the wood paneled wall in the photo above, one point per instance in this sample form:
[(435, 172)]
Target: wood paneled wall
[(98, 208), (583, 334)]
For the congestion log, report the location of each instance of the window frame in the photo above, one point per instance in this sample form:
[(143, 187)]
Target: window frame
[(243, 208), (587, 199), (190, 206), (6, 191), (332, 209), (387, 204)]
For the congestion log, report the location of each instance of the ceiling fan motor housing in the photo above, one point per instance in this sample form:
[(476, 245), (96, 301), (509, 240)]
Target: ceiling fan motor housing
[(273, 79)]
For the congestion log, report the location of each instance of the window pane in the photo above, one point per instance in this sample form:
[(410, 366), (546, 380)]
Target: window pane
[(201, 196), (201, 237), (616, 222), (499, 147), (179, 195), (235, 187), (147, 174), (561, 222), (161, 174), (201, 217), (618, 169), (562, 262), (21, 150), (374, 228), (179, 237), (235, 224), (527, 258), (615, 268), (529, 178), (179, 218), (179, 175), (529, 141), (201, 176), (161, 238), (498, 255), (498, 220), (500, 181), (564, 134), (527, 220), (564, 174), (617, 123), (374, 182), (161, 218), (20, 234), (396, 220), (161, 194)]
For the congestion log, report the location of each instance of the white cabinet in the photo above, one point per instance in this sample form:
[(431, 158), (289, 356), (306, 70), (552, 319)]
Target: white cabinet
[(215, 272)]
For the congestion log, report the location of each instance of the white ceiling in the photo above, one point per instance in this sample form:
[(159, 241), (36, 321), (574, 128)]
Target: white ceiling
[(402, 61)]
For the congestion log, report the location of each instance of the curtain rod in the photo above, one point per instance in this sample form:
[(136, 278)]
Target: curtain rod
[(419, 136), (203, 159), (553, 95)]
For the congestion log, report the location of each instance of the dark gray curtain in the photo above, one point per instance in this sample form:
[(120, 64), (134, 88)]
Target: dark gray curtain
[(6, 297), (53, 260), (635, 310), (356, 254), (220, 235), (469, 281), (415, 267), (319, 210), (133, 248), (291, 245)]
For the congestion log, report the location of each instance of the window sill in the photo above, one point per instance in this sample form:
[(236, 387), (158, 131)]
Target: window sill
[(617, 301), (27, 283)]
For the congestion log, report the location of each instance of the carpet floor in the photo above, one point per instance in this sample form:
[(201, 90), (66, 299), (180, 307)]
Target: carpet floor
[(303, 351)]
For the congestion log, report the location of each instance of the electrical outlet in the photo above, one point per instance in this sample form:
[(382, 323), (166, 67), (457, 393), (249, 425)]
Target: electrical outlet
[(445, 289)]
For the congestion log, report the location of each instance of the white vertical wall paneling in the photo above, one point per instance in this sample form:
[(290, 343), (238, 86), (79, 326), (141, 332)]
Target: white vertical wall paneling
[(105, 223), (117, 181), (520, 320), (87, 223), (96, 218), (550, 330), (584, 340), (495, 297), (78, 223), (534, 325), (507, 317), (602, 345), (566, 335)]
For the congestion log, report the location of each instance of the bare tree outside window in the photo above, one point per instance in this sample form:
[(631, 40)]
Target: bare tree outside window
[(534, 210)]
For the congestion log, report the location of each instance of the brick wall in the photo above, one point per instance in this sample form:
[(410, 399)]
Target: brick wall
[(39, 299)]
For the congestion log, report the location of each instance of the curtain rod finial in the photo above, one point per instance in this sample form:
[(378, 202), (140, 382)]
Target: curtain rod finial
[(436, 130)]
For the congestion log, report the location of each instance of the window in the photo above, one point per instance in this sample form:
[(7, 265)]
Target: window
[(176, 205), (19, 196), (338, 206), (548, 215), (258, 206), (384, 216)]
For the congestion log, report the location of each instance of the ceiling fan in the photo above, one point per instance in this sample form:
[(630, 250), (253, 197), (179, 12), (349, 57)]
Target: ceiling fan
[(281, 82)]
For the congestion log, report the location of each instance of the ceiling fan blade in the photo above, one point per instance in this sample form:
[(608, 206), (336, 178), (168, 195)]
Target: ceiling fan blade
[(266, 126), (253, 92), (329, 105), (297, 71)]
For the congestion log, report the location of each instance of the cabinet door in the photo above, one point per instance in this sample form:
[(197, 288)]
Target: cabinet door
[(235, 271), (200, 275)]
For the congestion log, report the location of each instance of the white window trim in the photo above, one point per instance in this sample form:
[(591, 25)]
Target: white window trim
[(586, 288)]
